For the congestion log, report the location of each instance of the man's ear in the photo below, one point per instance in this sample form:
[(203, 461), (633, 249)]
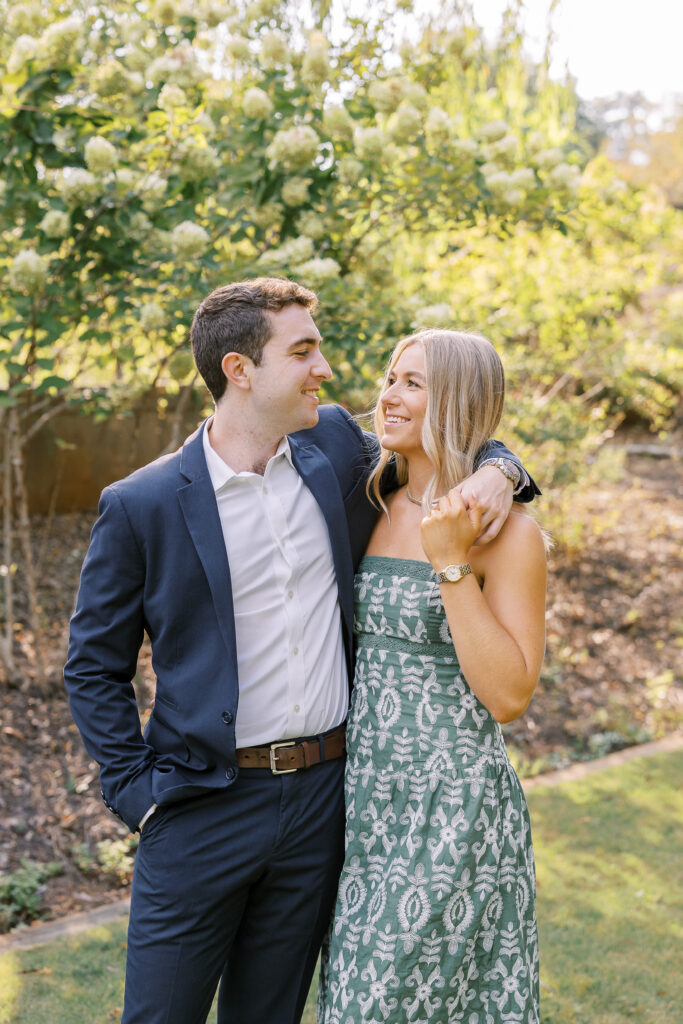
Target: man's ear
[(237, 369)]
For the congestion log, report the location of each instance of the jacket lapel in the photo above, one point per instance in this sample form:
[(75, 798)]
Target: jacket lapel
[(317, 473), (199, 508)]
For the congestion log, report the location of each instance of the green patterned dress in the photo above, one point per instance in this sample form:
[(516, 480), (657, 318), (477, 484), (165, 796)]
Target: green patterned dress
[(435, 916)]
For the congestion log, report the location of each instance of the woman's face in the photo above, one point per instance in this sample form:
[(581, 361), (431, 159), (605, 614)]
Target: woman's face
[(404, 402)]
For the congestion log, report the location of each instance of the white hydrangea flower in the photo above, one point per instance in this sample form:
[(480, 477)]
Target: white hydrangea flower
[(267, 216), (55, 224), (436, 315), (465, 147), (385, 94), (535, 141), (502, 149), (197, 160), (188, 239), (498, 181), (349, 170), (316, 67), (317, 271), (77, 186), (405, 124), (417, 96), (312, 225), (493, 130), (152, 316), (25, 49), (152, 187), (112, 79), (293, 148), (178, 66), (337, 122), (25, 18), (293, 252), (171, 97), (136, 83), (437, 128), (512, 196), (100, 155), (140, 226), (370, 143), (547, 158), (257, 104), (298, 250), (238, 47), (274, 50), (565, 176), (60, 43), (28, 272), (524, 178), (126, 179), (294, 192)]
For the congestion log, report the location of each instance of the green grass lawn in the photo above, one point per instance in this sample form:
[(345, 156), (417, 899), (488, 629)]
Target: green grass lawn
[(609, 906)]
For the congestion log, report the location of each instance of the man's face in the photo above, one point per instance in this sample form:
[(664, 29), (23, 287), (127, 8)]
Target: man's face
[(284, 387)]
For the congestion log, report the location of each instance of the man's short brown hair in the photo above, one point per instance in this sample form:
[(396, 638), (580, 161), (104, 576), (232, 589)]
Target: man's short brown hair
[(233, 319)]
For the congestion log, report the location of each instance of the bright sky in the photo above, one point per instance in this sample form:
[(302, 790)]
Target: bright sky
[(609, 45)]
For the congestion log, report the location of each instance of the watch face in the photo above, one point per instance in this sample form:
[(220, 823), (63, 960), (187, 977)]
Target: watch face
[(453, 573)]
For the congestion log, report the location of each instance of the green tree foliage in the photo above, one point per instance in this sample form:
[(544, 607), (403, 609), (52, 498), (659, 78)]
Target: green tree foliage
[(153, 153)]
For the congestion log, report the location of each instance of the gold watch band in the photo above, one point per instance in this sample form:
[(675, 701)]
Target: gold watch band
[(453, 573)]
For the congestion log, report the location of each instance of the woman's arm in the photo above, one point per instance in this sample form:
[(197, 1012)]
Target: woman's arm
[(498, 632)]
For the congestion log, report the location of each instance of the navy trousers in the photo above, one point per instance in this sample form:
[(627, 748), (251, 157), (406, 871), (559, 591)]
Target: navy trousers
[(235, 888)]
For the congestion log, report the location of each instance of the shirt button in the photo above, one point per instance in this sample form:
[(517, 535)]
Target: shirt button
[(297, 708), (230, 774), (227, 717), (295, 651), (290, 594), (265, 490)]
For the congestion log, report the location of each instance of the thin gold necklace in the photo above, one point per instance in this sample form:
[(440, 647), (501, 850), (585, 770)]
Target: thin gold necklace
[(415, 501)]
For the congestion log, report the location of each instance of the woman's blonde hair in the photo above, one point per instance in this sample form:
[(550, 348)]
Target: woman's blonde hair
[(465, 394)]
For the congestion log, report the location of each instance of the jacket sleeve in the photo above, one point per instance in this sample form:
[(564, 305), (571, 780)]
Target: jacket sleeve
[(496, 449), (105, 637)]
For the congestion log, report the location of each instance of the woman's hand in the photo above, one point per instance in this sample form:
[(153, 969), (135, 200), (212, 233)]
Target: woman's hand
[(449, 531)]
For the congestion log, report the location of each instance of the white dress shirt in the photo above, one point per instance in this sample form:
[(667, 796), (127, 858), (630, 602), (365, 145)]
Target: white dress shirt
[(292, 671)]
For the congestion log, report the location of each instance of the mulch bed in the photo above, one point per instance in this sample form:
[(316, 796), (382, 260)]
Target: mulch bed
[(609, 681)]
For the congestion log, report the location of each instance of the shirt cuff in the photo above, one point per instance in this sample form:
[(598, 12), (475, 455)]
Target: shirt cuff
[(146, 815)]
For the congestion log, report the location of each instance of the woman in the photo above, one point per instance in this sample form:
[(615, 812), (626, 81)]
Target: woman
[(435, 917)]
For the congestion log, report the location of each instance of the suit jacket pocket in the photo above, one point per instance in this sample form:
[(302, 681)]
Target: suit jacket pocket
[(161, 735)]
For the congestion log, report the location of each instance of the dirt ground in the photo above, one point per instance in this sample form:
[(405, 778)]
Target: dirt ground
[(611, 679)]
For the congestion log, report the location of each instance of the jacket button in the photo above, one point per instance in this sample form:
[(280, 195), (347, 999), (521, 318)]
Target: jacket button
[(227, 717), (230, 774)]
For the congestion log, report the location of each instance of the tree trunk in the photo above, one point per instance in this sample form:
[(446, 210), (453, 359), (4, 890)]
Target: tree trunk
[(24, 531), (8, 565)]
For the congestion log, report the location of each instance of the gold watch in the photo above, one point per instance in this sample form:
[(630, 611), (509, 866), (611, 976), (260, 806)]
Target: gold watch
[(453, 573)]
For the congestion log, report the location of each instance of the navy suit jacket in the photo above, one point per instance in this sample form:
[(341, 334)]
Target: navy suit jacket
[(157, 563)]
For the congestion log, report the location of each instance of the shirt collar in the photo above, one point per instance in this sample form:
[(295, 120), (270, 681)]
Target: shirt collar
[(221, 473)]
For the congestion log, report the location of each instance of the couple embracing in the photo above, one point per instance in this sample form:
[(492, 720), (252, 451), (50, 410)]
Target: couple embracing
[(285, 564)]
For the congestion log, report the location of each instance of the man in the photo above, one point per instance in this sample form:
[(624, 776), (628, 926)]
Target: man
[(236, 555)]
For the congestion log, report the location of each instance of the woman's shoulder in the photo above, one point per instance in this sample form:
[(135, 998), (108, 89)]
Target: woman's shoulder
[(520, 539)]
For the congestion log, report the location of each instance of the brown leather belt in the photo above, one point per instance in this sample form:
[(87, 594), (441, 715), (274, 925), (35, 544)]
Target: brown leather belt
[(292, 755)]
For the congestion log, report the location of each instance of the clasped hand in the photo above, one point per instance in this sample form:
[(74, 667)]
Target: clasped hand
[(450, 530)]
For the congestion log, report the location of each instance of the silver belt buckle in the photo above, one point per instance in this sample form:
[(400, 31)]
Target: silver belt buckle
[(274, 758)]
